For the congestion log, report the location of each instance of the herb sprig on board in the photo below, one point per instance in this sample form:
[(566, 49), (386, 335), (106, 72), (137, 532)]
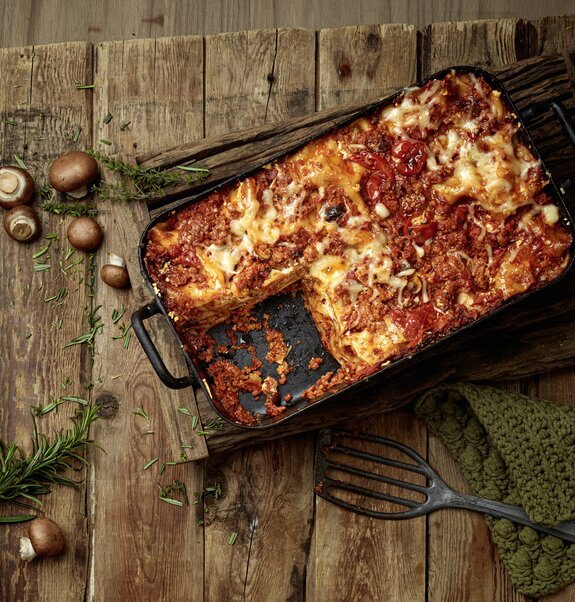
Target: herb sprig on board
[(141, 184), (23, 478)]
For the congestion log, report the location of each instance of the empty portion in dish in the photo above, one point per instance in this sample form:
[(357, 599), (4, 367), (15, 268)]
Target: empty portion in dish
[(396, 229)]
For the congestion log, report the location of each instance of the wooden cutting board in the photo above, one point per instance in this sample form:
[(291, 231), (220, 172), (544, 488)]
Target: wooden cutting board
[(527, 339)]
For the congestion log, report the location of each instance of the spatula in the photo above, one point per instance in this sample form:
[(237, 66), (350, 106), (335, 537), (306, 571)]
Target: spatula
[(350, 472)]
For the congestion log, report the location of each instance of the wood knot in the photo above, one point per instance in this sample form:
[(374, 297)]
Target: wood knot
[(109, 405), (373, 40), (344, 70), (271, 78)]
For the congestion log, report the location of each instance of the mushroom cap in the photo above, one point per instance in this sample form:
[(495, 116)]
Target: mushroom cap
[(22, 223), (84, 233), (16, 186), (115, 276), (46, 537), (72, 171)]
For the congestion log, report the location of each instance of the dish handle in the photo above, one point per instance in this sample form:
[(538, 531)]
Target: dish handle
[(567, 125), (138, 318)]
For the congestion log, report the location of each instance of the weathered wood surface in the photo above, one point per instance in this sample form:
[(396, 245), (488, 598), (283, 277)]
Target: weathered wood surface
[(267, 75), (123, 543), (35, 367), (47, 22)]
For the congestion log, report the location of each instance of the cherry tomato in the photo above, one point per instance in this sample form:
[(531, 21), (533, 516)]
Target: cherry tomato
[(410, 156), (419, 233), (378, 182), (371, 160), (414, 322)]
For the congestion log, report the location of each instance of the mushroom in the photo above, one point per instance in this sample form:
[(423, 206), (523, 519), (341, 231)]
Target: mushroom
[(84, 233), (16, 186), (22, 223), (45, 538), (72, 172), (114, 273)]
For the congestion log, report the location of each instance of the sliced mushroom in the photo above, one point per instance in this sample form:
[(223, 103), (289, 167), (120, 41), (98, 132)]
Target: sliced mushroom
[(16, 186), (114, 273), (85, 233), (45, 538), (22, 223), (72, 173)]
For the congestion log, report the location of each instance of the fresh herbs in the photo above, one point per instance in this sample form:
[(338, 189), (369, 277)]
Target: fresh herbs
[(211, 427), (71, 209), (210, 494), (166, 493), (96, 326), (20, 161), (25, 477), (141, 183), (141, 412)]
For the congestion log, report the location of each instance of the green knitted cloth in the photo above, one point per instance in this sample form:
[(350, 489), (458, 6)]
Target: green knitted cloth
[(518, 450)]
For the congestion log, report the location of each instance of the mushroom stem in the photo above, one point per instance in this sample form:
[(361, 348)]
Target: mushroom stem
[(78, 193), (114, 259), (27, 552)]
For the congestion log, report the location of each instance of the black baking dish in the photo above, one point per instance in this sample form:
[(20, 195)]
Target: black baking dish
[(288, 314)]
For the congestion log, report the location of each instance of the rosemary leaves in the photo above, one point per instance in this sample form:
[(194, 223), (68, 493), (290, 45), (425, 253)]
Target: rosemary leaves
[(25, 477)]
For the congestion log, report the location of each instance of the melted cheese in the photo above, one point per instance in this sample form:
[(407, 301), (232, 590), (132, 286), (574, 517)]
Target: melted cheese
[(364, 271)]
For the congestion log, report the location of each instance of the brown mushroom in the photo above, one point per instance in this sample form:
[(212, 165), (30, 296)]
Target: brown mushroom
[(114, 273), (16, 186), (22, 223), (85, 233), (72, 173), (45, 538)]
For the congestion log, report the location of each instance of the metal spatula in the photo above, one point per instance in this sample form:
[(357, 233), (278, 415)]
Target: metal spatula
[(361, 459)]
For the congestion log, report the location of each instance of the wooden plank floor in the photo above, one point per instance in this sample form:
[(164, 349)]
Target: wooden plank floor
[(25, 22), (123, 543)]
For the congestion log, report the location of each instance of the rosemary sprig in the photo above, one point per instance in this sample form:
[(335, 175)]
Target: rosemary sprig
[(176, 487), (141, 412), (19, 161), (96, 326), (211, 427), (142, 183), (25, 477)]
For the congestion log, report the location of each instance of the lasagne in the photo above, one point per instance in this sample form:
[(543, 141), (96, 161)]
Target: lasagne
[(402, 226)]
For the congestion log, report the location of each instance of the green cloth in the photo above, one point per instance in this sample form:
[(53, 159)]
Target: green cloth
[(518, 450)]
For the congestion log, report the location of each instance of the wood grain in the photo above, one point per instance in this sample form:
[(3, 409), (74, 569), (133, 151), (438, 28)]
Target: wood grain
[(147, 563), (35, 365), (137, 547), (268, 500), (358, 63), (484, 44), (458, 539), (49, 21), (378, 58)]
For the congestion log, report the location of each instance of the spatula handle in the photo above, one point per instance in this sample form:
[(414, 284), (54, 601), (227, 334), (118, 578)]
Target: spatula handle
[(565, 530)]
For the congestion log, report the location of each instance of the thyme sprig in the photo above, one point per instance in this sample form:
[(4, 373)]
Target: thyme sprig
[(141, 183), (71, 209), (51, 204), (23, 478)]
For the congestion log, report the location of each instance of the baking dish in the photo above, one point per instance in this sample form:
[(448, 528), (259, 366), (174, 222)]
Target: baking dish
[(288, 314)]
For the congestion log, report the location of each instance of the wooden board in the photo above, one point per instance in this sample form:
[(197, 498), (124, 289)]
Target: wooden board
[(124, 497), (267, 503), (498, 44), (35, 366)]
